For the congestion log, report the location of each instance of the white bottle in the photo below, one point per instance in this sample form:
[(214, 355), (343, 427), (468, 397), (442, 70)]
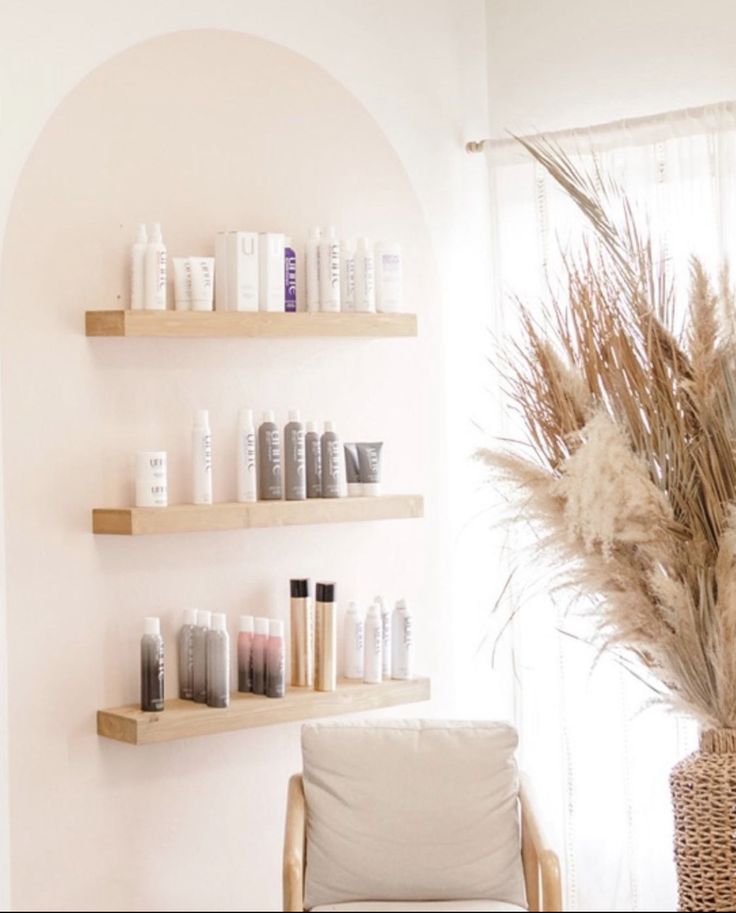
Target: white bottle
[(311, 269), (388, 277), (347, 276), (365, 277), (247, 487), (353, 647), (201, 458), (329, 271), (137, 269), (271, 271), (386, 635), (155, 271), (401, 642), (373, 662)]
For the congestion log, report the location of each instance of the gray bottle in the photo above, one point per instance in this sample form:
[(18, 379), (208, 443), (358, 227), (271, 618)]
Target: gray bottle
[(333, 463), (218, 662), (186, 654), (295, 481), (199, 656), (314, 461), (152, 666), (269, 459)]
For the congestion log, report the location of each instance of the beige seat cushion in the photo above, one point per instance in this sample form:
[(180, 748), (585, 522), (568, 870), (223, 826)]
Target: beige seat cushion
[(411, 811), (451, 906)]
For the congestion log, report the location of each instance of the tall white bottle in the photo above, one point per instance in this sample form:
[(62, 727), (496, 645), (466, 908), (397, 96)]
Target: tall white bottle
[(386, 635), (247, 487), (373, 662), (311, 269), (353, 644), (365, 277), (347, 276), (155, 271), (329, 271), (138, 269), (402, 659), (201, 458)]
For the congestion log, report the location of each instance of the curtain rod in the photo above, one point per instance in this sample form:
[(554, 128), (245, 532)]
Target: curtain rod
[(682, 122)]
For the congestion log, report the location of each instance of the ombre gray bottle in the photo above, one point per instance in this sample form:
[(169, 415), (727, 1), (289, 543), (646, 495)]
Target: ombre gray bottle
[(218, 662), (199, 656), (269, 459), (152, 666), (333, 461), (314, 462), (295, 481)]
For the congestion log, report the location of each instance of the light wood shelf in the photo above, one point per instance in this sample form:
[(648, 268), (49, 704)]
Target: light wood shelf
[(184, 719), (192, 518), (239, 323)]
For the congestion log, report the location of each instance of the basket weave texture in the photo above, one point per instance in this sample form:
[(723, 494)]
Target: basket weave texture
[(703, 789)]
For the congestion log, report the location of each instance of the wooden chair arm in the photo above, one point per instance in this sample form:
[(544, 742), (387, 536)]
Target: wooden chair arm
[(294, 842), (541, 864)]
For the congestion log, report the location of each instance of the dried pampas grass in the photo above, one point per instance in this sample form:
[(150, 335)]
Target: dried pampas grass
[(632, 429)]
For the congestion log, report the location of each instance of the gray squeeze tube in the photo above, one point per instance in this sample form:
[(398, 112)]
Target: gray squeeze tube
[(369, 466), (352, 470)]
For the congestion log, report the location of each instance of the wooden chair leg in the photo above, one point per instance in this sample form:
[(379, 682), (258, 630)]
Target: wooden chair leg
[(294, 844)]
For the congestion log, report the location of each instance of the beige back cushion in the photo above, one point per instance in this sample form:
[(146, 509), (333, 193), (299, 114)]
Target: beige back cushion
[(411, 810)]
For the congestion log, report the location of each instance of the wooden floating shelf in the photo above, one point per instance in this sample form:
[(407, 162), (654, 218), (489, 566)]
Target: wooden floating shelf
[(194, 518), (184, 719), (182, 324)]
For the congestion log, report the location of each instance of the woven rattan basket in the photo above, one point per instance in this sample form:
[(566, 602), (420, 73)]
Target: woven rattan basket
[(704, 798)]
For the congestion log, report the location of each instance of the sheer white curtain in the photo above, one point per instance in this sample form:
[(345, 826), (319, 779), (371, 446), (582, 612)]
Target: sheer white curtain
[(597, 755)]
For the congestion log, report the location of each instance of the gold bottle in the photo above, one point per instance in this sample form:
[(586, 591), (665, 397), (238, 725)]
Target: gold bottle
[(325, 652), (302, 635)]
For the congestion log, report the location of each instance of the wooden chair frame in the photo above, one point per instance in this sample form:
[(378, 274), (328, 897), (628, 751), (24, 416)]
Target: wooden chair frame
[(541, 865)]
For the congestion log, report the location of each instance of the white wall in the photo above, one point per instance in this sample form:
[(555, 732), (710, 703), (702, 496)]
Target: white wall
[(428, 95), (570, 63)]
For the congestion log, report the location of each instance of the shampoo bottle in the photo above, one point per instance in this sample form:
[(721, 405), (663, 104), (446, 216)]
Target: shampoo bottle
[(155, 271), (301, 634), (347, 276), (289, 276), (329, 271), (218, 662), (199, 656), (247, 489), (260, 639), (201, 458), (314, 461), (353, 658), (186, 655), (388, 277), (373, 646), (325, 647), (294, 458), (137, 270), (386, 636), (245, 651), (311, 269), (152, 666), (333, 464), (275, 660), (402, 646), (269, 459), (365, 277)]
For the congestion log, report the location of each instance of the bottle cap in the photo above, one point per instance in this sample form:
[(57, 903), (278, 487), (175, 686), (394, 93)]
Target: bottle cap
[(204, 618), (151, 625), (299, 588), (329, 426), (374, 609), (261, 625), (141, 235), (268, 415), (219, 621), (401, 605), (190, 617), (275, 628), (246, 624), (311, 426), (156, 237), (246, 417), (352, 607), (326, 592), (293, 415), (202, 418)]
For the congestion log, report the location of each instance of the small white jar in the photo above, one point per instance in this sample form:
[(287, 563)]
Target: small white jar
[(151, 488)]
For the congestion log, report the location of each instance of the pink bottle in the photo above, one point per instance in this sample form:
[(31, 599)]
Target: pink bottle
[(275, 660), (259, 655), (245, 654)]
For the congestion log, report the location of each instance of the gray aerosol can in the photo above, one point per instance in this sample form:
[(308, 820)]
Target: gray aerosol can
[(218, 662), (269, 459), (333, 464), (314, 462), (152, 666), (294, 459)]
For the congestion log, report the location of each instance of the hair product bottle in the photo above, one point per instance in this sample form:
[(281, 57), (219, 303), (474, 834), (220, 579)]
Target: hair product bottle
[(294, 458), (269, 459), (333, 464), (137, 269), (151, 488), (201, 458), (152, 666), (186, 655), (347, 276), (301, 634), (365, 277), (386, 636), (199, 656), (247, 488), (325, 649), (373, 646), (329, 271), (289, 276), (402, 646), (314, 461), (275, 660), (259, 655), (311, 264), (218, 662), (353, 656), (154, 264), (245, 651), (388, 277)]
